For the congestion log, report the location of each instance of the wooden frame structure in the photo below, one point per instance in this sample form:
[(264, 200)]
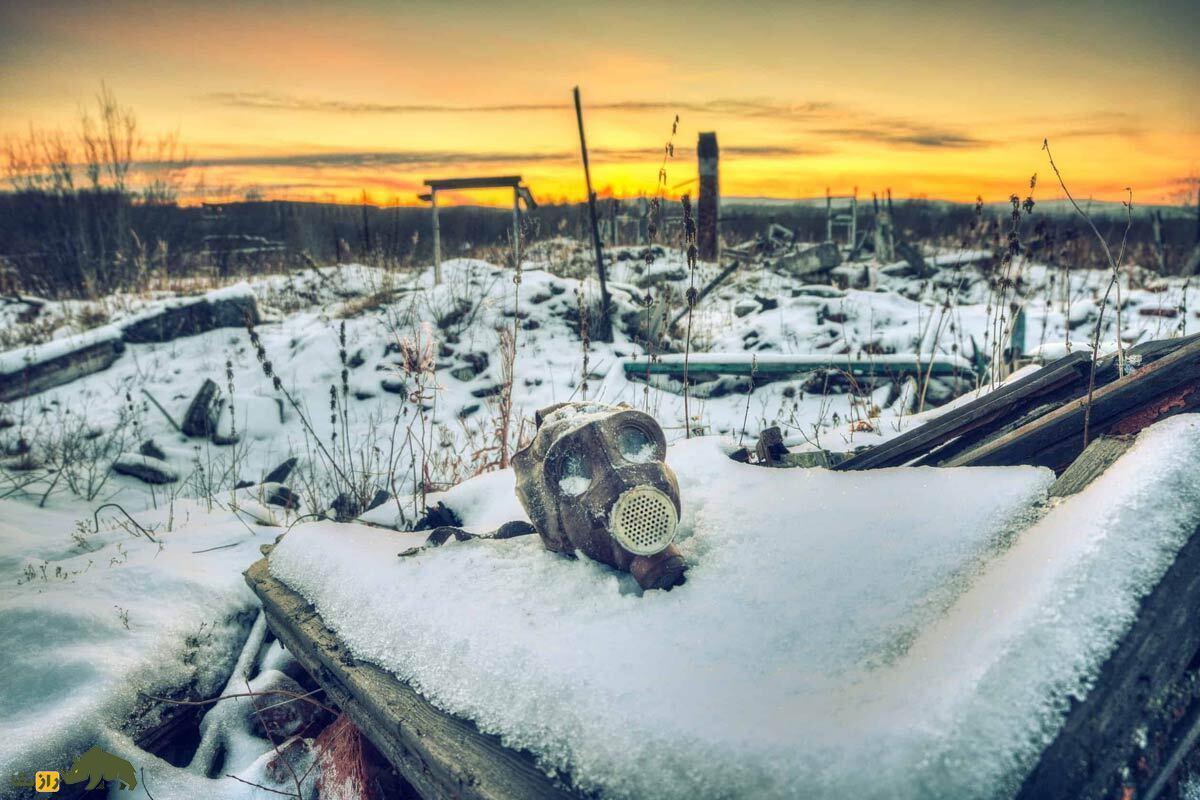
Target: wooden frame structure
[(519, 191), (846, 219)]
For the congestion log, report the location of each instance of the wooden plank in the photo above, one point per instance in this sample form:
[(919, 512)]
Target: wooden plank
[(1007, 409), (980, 415), (498, 182), (1098, 456), (440, 755), (38, 376), (1167, 386), (1139, 688)]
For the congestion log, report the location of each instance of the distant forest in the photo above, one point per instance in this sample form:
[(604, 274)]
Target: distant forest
[(89, 242)]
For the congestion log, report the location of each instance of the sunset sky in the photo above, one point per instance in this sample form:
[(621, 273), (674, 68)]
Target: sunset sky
[(311, 101)]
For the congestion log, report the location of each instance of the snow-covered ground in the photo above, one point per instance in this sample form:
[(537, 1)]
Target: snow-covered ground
[(417, 407)]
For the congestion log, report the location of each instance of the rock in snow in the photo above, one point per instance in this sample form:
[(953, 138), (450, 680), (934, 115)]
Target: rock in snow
[(145, 468)]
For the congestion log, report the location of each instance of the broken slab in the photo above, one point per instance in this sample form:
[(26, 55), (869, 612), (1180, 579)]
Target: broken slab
[(809, 261), (29, 370), (231, 307), (200, 419)]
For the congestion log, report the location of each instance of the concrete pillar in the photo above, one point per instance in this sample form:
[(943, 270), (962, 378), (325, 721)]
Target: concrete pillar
[(709, 204)]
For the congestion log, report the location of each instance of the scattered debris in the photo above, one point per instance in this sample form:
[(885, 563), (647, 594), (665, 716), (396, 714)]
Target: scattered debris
[(150, 448), (145, 468), (770, 448), (200, 419), (276, 494), (274, 717), (810, 261), (280, 473)]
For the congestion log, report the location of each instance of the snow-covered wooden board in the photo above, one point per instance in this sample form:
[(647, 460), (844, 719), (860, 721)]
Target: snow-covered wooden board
[(1136, 718), (439, 754)]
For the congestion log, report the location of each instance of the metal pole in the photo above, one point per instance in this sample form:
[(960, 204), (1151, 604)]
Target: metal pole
[(516, 230), (604, 334), (437, 240), (828, 216)]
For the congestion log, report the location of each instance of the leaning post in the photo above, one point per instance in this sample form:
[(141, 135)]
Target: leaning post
[(604, 334)]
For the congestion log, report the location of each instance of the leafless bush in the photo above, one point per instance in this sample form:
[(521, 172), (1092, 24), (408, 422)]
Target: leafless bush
[(62, 450)]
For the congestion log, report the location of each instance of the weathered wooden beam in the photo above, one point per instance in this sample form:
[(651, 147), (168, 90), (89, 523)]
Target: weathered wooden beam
[(1098, 456), (441, 755), (1004, 410), (604, 332), (192, 316), (437, 239), (40, 367), (498, 182), (1168, 386), (975, 419)]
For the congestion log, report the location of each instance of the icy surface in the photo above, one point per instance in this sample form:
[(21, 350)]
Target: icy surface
[(885, 634)]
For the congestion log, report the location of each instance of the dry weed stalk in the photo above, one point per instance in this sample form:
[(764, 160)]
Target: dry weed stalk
[(1114, 265), (689, 243)]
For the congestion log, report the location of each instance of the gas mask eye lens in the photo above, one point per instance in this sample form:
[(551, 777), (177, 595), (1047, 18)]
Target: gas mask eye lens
[(575, 475), (636, 445)]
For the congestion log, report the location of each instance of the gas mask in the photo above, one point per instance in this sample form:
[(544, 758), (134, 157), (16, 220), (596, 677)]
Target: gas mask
[(594, 480)]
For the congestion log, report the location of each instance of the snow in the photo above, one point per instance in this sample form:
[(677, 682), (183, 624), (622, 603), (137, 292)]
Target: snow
[(906, 585), (93, 621), (484, 503), (800, 592), (22, 357), (574, 484), (905, 619)]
